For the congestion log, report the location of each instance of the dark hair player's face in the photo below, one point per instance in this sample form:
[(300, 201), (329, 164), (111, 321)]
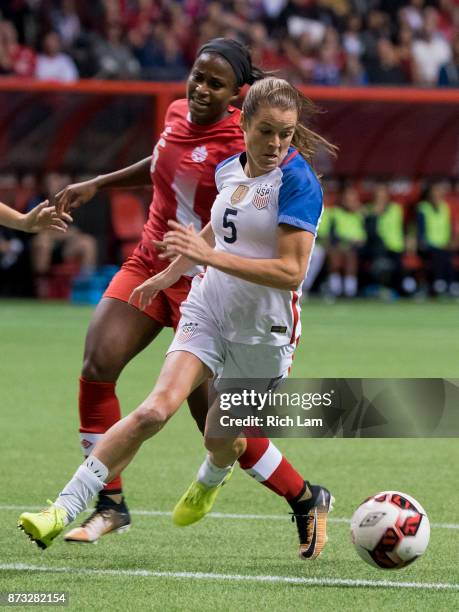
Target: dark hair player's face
[(211, 87)]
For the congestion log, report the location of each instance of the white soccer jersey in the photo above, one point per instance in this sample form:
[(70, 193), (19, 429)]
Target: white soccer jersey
[(245, 218)]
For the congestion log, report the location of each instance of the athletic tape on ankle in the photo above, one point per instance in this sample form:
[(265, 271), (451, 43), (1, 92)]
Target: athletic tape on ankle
[(97, 468), (89, 480)]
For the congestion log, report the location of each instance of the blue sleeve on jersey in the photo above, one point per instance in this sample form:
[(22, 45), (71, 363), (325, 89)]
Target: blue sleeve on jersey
[(226, 161), (220, 166), (300, 196)]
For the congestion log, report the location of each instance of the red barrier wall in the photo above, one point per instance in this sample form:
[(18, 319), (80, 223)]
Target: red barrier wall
[(382, 132)]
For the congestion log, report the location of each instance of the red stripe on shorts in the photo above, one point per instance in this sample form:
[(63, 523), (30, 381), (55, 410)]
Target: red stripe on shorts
[(296, 316)]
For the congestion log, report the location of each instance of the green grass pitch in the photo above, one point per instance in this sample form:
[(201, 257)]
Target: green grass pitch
[(157, 566)]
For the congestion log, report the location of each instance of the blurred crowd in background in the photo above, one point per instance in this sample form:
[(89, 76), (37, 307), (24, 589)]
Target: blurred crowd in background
[(376, 239), (383, 239), (323, 42)]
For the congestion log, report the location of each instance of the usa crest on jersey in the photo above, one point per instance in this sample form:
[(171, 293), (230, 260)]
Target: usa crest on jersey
[(262, 196), (187, 331)]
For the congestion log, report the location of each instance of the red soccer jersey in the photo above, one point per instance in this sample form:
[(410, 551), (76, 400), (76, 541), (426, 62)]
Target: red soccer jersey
[(183, 168)]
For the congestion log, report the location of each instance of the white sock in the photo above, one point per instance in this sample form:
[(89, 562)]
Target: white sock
[(210, 475), (440, 286), (335, 282), (87, 481), (409, 284), (350, 286)]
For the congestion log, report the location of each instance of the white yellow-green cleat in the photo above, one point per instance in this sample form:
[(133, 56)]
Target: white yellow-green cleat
[(42, 527), (196, 502)]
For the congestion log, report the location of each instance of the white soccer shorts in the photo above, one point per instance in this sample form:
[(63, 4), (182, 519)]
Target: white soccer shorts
[(198, 334)]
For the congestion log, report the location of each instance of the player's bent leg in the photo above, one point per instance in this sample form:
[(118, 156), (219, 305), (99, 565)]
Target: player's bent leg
[(118, 447), (117, 333), (198, 403), (122, 441), (260, 458)]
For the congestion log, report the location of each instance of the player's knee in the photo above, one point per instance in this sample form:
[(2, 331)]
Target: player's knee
[(223, 445), (153, 413), (149, 420), (98, 367)]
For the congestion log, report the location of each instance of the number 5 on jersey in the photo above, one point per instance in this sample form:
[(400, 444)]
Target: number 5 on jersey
[(230, 225)]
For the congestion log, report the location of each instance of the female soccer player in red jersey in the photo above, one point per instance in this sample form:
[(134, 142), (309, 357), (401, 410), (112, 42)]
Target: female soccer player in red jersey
[(199, 133), (256, 266)]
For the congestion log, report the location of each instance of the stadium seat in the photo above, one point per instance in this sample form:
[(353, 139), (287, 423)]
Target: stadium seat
[(128, 216), (57, 284), (128, 219)]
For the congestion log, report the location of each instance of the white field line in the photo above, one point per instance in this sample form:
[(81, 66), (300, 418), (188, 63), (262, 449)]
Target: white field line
[(221, 515), (332, 582)]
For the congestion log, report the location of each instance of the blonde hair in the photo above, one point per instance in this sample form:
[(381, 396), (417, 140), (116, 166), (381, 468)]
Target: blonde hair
[(278, 93)]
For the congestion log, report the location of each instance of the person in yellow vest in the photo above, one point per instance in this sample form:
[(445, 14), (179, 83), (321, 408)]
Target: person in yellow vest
[(321, 245), (346, 236), (434, 227), (384, 224)]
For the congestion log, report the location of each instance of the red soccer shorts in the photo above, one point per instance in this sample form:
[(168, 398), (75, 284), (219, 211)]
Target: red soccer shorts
[(144, 263)]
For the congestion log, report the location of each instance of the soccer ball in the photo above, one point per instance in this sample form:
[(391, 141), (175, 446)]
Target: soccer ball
[(390, 530)]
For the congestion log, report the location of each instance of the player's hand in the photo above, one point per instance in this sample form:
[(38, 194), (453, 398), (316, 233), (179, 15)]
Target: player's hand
[(46, 217), (145, 293), (185, 241), (164, 252), (75, 195)]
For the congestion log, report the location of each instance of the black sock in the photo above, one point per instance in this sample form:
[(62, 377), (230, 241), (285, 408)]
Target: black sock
[(104, 501)]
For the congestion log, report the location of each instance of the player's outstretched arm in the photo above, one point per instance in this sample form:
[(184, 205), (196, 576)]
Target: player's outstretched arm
[(42, 217), (287, 271), (73, 196), (205, 234), (145, 293)]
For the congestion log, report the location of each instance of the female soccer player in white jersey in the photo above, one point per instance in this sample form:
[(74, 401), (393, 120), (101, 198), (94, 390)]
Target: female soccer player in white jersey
[(199, 133), (241, 318), (243, 313)]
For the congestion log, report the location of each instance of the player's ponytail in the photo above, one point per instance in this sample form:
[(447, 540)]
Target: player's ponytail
[(256, 74), (278, 93)]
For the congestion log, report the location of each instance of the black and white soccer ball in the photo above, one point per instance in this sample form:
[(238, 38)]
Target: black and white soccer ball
[(390, 530)]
